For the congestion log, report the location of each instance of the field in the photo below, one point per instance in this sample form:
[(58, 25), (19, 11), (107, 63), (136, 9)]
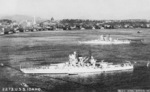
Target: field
[(43, 48)]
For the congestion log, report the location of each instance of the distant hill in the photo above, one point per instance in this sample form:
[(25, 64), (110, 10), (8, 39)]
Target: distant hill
[(19, 18)]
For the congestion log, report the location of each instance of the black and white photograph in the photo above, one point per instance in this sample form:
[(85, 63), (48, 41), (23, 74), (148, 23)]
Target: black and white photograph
[(74, 45)]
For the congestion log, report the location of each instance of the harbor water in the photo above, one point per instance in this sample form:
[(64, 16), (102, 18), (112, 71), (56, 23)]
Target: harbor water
[(44, 48)]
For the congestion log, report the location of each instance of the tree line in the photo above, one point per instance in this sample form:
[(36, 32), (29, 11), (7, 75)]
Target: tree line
[(9, 26)]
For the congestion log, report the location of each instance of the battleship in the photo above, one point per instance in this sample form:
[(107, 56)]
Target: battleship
[(77, 65), (105, 40)]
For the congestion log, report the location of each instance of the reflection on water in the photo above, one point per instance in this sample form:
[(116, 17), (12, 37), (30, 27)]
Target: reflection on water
[(106, 81)]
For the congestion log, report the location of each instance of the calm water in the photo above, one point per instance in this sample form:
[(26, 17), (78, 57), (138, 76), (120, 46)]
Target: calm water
[(43, 48)]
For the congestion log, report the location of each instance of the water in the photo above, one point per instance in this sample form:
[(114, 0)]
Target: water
[(43, 48)]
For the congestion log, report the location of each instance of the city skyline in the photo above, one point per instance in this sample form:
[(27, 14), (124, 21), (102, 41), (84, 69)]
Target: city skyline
[(78, 9)]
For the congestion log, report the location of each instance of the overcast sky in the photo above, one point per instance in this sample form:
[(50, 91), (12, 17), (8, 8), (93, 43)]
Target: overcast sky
[(78, 9)]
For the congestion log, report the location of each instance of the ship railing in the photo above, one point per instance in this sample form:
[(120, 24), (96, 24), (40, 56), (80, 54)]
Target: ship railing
[(36, 67)]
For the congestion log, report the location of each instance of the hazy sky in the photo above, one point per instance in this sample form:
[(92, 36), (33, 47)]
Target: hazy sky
[(78, 9)]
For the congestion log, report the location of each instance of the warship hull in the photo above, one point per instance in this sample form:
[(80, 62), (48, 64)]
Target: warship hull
[(74, 70), (98, 42)]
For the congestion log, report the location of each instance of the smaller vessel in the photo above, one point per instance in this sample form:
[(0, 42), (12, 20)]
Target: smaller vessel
[(139, 32), (105, 40), (77, 65)]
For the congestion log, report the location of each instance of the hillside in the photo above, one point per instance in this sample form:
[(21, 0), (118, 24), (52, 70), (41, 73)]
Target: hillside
[(20, 18)]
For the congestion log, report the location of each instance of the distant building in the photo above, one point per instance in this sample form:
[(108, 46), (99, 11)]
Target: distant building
[(148, 25), (52, 19), (126, 26)]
